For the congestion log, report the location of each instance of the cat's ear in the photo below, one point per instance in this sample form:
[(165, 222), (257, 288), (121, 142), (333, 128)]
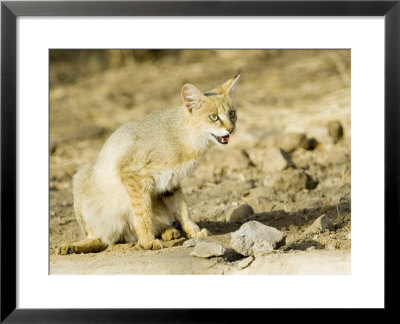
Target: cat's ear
[(229, 86), (192, 97)]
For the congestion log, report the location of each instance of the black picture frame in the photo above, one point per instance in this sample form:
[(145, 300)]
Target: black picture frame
[(10, 10)]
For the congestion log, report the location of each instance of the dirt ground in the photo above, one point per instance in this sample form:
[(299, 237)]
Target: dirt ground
[(298, 100)]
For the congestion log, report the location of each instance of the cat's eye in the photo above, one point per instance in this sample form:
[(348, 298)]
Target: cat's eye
[(213, 117), (232, 114)]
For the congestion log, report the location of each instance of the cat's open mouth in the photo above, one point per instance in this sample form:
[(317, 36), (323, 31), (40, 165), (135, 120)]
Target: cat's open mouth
[(221, 139)]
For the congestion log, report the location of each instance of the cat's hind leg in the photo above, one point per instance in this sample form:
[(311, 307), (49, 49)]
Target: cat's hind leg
[(88, 245), (164, 225), (177, 205)]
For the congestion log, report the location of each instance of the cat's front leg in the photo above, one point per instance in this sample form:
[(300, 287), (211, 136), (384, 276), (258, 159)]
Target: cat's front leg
[(177, 205), (142, 212)]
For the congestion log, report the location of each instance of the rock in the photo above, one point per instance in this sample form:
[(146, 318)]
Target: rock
[(320, 225), (207, 250), (261, 204), (244, 263), (270, 160), (239, 214), (291, 179), (291, 141), (349, 236), (254, 238), (191, 242), (335, 130)]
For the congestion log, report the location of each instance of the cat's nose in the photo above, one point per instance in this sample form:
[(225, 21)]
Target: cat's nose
[(230, 129)]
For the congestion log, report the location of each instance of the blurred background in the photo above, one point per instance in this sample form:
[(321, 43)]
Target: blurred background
[(289, 159)]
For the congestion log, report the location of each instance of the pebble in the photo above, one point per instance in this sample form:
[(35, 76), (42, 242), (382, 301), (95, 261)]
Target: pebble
[(207, 250), (254, 237), (320, 225), (239, 214)]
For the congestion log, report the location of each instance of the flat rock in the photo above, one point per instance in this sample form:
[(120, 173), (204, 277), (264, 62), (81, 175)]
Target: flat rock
[(239, 213), (207, 250), (320, 225), (270, 160), (256, 238)]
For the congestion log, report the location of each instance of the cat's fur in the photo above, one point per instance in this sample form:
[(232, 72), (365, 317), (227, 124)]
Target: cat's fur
[(132, 192)]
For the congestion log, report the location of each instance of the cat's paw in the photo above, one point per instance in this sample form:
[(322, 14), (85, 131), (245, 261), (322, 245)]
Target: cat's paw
[(151, 245), (171, 233), (202, 233)]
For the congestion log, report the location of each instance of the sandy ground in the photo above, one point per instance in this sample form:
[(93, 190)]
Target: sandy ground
[(280, 95)]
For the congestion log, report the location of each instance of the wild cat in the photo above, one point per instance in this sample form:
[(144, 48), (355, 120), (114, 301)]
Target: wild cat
[(132, 192)]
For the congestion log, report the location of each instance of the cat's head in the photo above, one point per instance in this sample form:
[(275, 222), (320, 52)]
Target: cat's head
[(211, 114)]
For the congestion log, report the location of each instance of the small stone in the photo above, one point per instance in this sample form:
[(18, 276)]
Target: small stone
[(270, 160), (239, 214), (244, 263), (315, 237), (321, 224), (262, 204), (254, 237), (335, 130), (207, 250), (311, 248), (191, 242), (349, 236)]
